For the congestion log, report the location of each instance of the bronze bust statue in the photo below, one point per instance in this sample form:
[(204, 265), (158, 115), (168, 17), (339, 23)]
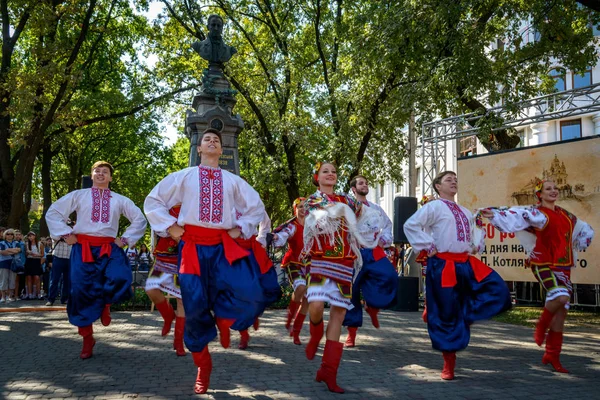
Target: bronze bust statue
[(213, 49)]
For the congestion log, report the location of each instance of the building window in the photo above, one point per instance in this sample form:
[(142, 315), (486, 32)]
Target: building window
[(381, 190), (559, 75), (582, 80), (467, 146), (570, 129)]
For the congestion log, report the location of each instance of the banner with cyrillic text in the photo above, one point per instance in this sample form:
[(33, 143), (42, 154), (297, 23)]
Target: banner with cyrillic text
[(508, 179)]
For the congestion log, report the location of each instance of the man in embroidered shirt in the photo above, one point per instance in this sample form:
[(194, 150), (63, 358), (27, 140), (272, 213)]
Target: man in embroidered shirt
[(460, 288), (377, 279), (100, 273), (215, 272)]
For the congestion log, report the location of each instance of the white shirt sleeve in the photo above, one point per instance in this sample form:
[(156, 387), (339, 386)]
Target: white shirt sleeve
[(387, 238), (263, 228), (249, 204), (516, 219), (58, 214), (418, 228), (284, 235), (137, 228), (166, 194), (584, 237)]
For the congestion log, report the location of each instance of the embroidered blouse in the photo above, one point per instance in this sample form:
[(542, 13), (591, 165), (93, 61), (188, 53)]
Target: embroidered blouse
[(553, 234), (98, 212), (375, 226), (444, 226), (208, 198), (291, 233)]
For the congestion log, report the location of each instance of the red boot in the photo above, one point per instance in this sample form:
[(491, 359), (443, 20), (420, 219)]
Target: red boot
[(332, 356), (449, 363), (298, 321), (88, 341), (553, 348), (256, 324), (178, 339), (373, 314), (316, 333), (424, 316), (204, 363), (224, 324), (166, 311), (351, 339), (291, 313), (105, 317), (244, 339), (542, 326)]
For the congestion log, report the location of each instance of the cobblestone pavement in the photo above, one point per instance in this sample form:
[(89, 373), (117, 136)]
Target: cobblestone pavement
[(40, 350)]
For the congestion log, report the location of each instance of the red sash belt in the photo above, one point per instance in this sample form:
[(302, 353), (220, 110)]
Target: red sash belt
[(378, 253), (480, 270), (260, 253), (194, 235), (87, 241)]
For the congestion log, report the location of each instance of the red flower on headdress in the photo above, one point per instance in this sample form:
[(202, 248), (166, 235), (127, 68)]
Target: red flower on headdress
[(315, 171), (426, 199)]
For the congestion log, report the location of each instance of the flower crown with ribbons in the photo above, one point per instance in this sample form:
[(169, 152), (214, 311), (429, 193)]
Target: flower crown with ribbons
[(297, 202), (539, 186), (426, 199), (315, 170)]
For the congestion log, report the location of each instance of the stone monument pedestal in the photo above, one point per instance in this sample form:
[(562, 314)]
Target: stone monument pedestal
[(213, 108)]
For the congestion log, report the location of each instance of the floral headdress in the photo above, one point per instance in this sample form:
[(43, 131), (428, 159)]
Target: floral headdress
[(297, 202), (315, 173), (426, 199), (538, 188)]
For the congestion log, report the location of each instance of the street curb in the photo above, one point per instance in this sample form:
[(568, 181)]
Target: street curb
[(32, 309)]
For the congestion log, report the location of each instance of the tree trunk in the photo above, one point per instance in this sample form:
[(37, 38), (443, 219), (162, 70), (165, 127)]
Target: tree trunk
[(46, 186), (24, 217)]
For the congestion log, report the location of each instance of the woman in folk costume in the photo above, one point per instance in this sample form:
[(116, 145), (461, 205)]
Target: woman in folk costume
[(267, 276), (215, 273), (292, 233), (551, 237), (164, 277), (100, 273), (460, 288), (377, 280), (331, 240)]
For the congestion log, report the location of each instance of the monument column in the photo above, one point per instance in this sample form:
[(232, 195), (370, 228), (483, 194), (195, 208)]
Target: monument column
[(213, 106)]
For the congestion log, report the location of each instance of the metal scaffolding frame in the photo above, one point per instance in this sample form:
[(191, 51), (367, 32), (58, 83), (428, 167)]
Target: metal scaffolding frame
[(539, 109)]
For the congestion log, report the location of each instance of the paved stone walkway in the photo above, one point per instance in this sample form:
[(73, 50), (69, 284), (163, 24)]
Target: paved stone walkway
[(39, 359)]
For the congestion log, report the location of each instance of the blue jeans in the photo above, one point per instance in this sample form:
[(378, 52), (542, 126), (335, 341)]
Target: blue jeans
[(61, 268)]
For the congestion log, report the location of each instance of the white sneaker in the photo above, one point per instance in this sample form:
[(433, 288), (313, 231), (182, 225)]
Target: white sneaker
[(2, 300), (10, 299)]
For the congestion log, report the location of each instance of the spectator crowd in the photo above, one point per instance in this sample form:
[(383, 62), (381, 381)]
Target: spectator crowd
[(39, 269)]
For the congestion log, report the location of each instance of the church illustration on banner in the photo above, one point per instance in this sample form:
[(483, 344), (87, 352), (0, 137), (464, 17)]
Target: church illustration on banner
[(558, 173)]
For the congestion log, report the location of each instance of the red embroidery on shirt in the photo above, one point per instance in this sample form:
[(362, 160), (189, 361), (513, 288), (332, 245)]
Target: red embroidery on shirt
[(211, 195), (463, 229), (100, 205)]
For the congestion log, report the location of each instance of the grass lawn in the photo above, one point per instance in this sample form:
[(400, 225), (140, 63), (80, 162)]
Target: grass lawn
[(527, 316)]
